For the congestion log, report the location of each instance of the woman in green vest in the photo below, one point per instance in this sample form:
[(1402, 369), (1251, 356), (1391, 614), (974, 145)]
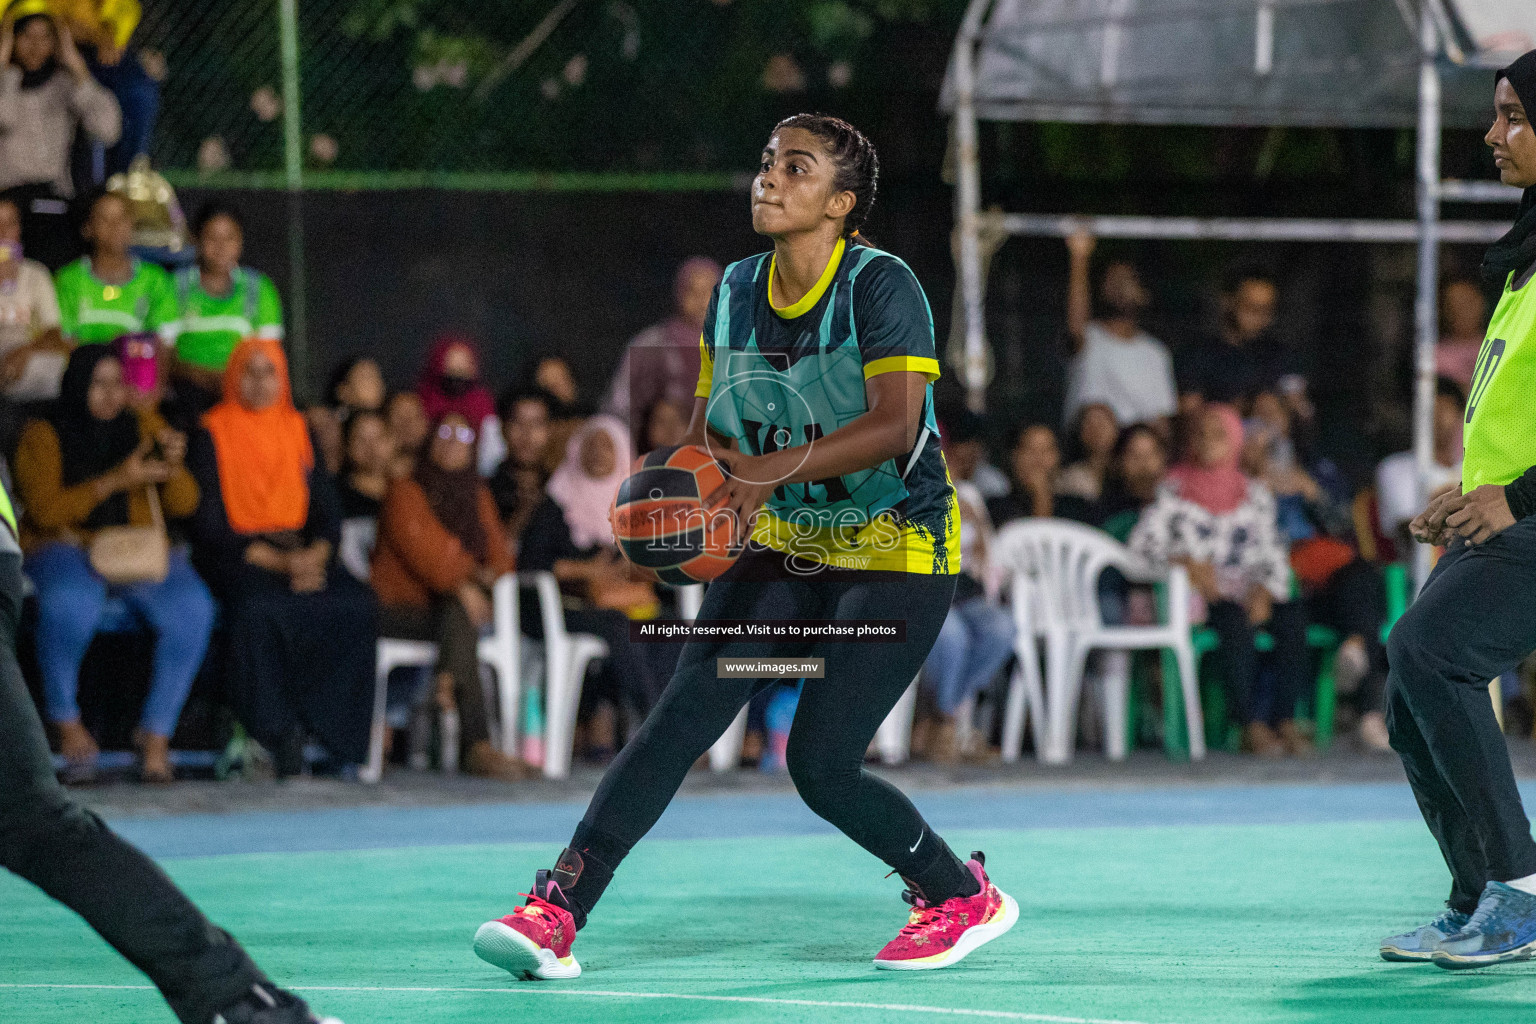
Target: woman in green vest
[(110, 292), (219, 304), (1475, 618)]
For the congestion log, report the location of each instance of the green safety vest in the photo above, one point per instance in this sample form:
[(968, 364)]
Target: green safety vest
[(8, 513), (1500, 429)]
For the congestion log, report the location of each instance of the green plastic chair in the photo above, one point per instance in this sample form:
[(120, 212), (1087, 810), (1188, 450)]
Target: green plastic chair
[(1220, 731)]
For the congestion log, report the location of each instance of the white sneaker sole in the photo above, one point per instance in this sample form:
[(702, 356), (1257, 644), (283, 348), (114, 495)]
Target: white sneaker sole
[(1456, 962), (970, 940), (515, 953)]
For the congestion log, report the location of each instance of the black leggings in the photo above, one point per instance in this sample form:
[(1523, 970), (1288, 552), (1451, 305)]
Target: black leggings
[(837, 717)]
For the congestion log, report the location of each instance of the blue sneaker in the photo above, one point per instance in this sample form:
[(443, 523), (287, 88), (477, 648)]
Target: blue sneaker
[(1502, 930), (1417, 945)]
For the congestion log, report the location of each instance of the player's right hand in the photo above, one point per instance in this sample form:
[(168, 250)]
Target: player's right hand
[(1428, 527)]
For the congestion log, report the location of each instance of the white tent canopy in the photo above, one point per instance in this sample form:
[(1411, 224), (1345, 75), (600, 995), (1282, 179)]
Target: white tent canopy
[(1318, 63)]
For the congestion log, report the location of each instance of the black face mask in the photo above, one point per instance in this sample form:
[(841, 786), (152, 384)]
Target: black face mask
[(1516, 251), (455, 387)]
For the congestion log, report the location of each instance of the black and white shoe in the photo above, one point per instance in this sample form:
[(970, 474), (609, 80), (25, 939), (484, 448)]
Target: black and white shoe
[(268, 1004)]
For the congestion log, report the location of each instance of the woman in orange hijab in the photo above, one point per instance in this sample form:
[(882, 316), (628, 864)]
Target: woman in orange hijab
[(301, 633)]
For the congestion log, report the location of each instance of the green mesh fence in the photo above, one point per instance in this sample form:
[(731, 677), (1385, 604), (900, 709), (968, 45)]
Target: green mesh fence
[(521, 94)]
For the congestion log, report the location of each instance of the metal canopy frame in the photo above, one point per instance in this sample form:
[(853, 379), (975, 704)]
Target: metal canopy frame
[(1440, 37)]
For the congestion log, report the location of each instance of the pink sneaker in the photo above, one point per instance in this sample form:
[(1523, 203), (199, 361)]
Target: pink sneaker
[(534, 941), (940, 936)]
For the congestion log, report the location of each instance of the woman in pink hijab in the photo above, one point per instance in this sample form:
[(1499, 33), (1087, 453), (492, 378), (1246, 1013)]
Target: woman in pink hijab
[(570, 536), (597, 460), (1221, 526)]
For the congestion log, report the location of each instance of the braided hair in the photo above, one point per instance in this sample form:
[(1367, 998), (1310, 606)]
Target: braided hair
[(856, 166)]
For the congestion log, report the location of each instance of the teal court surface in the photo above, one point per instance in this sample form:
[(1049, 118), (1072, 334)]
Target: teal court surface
[(1183, 905)]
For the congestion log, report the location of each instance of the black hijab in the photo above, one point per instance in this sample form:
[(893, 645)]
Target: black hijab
[(39, 78), (1516, 251), (90, 447), (453, 497)]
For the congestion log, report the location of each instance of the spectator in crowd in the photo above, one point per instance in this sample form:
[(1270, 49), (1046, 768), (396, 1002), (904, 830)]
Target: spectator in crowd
[(1093, 443), (1311, 495), (408, 428), (1115, 362), (92, 464), (1137, 466), (32, 348), (665, 425), (105, 30), (440, 551), (1351, 600), (1036, 466), (46, 92), (111, 292), (553, 374), (357, 385), (976, 639), (358, 380), (361, 488), (219, 304), (964, 449), (570, 536), (1342, 590), (1397, 476), (1243, 358), (325, 431), (518, 483), (1463, 321), (451, 382), (661, 363), (301, 631), (990, 481), (1220, 526)]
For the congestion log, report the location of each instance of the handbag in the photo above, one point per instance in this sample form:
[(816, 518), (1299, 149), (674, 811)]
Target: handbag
[(134, 554)]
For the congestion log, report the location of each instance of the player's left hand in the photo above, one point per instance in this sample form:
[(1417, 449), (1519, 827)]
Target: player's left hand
[(748, 482), (1480, 514)]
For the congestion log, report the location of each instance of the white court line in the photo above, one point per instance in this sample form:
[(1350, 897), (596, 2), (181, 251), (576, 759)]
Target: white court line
[(1044, 1018)]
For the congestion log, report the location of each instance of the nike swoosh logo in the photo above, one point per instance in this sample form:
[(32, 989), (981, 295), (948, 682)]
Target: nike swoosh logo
[(919, 840)]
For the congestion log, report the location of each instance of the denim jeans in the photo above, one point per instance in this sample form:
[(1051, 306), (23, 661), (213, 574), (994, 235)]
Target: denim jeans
[(70, 601), (975, 641), (138, 97)]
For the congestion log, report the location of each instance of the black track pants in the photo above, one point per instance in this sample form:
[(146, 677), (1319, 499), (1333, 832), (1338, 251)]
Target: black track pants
[(68, 852), (1474, 620)]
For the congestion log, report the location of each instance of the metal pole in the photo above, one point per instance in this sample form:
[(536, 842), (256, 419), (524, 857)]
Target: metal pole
[(293, 160), (1240, 229), (1426, 321), (968, 204)]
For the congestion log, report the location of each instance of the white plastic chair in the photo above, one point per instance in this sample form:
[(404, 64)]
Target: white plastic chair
[(566, 657), (500, 650), (1054, 567), (1026, 692), (894, 737)]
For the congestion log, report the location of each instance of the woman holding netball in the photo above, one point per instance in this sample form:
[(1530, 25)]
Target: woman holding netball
[(816, 395)]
